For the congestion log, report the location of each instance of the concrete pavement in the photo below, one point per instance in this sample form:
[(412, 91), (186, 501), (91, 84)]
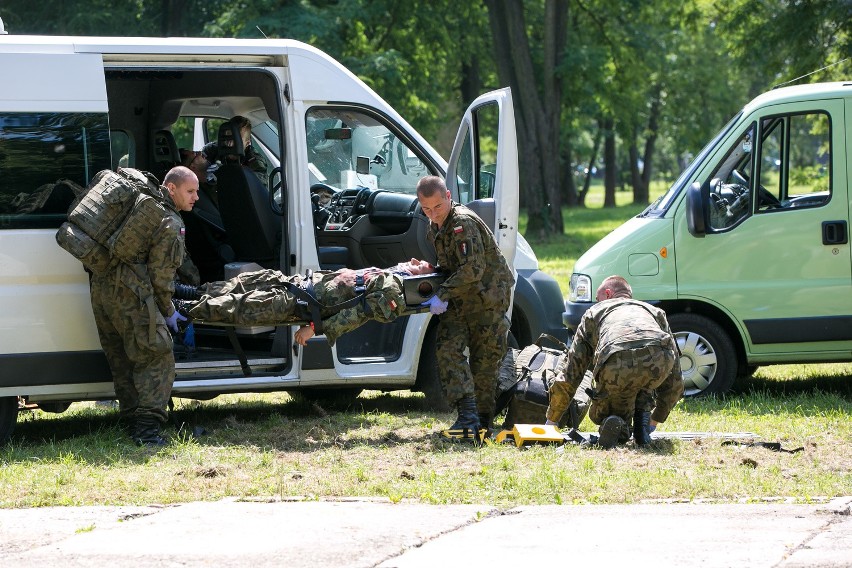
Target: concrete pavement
[(378, 533)]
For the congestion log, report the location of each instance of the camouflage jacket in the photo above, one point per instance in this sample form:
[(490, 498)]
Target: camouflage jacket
[(159, 254), (608, 327), (383, 298), (480, 280)]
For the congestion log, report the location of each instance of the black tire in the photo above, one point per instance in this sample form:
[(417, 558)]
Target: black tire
[(708, 358), (8, 417), (428, 382), (54, 407), (336, 398)]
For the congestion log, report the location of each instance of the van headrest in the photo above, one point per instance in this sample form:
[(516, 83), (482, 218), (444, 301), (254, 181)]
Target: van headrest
[(230, 143)]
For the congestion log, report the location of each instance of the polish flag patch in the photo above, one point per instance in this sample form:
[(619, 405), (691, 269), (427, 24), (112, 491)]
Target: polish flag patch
[(182, 231), (392, 305), (458, 229)]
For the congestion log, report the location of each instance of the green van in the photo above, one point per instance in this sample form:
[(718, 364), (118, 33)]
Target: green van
[(748, 252)]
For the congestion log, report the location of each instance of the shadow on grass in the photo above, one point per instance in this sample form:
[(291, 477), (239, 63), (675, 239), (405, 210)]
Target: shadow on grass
[(94, 435)]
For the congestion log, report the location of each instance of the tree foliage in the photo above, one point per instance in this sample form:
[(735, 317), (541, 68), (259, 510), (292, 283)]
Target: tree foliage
[(630, 88)]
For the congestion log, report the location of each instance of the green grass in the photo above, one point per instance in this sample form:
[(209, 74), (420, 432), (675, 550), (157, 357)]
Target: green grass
[(385, 445)]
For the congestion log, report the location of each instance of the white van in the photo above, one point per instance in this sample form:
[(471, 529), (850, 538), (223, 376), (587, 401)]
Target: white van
[(339, 190)]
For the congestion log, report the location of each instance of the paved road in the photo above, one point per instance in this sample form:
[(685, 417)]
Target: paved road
[(374, 533)]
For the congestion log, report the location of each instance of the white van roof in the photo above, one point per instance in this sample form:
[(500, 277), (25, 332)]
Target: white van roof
[(796, 93)]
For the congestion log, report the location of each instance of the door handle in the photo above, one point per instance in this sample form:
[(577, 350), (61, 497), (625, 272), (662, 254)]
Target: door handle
[(834, 233)]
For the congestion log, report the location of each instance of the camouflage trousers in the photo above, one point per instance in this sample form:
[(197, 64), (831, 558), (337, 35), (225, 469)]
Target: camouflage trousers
[(475, 375), (138, 348), (626, 382)]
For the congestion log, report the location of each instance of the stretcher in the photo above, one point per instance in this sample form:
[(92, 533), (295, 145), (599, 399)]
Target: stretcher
[(416, 290)]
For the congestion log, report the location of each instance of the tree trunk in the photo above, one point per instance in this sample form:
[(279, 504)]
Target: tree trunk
[(610, 162), (537, 117), (593, 157)]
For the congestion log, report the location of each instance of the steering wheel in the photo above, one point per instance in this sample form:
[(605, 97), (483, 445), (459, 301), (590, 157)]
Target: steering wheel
[(322, 208)]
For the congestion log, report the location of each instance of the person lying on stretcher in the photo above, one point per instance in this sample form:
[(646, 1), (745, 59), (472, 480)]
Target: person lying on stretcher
[(332, 302)]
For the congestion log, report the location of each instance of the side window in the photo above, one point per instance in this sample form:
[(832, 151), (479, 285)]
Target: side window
[(122, 149), (39, 150), (730, 197), (478, 159), (795, 161), (783, 165), (349, 148)]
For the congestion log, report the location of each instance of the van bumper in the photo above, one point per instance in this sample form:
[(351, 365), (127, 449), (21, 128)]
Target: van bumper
[(538, 297), (574, 313)]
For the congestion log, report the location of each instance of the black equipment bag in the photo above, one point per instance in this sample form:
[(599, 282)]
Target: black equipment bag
[(524, 381)]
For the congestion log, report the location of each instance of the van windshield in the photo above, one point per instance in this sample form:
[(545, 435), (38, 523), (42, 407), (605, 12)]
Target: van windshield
[(659, 207)]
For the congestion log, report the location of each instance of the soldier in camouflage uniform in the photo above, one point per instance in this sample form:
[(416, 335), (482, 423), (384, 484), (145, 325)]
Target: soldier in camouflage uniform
[(472, 304), (132, 307), (263, 298), (633, 355)]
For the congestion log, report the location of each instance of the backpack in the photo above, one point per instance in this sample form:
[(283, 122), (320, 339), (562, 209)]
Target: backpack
[(524, 381), (98, 228)]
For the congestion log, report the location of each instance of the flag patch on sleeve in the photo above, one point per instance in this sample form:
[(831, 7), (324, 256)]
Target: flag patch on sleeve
[(458, 229)]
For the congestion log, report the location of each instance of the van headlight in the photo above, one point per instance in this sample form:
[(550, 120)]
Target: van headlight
[(580, 288)]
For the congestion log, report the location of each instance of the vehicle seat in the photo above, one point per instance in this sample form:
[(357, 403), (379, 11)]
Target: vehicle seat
[(164, 154), (252, 228)]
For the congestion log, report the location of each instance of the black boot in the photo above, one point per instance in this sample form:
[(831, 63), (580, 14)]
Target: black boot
[(466, 426), (610, 431), (485, 424), (146, 432), (641, 422), (186, 292)]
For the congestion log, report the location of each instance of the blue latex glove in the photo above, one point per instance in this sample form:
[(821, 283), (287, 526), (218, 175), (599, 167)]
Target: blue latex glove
[(172, 321), (436, 305), (649, 428)]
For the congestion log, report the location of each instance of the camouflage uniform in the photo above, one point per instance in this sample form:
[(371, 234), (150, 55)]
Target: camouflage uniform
[(130, 302), (478, 290), (260, 298), (632, 353)]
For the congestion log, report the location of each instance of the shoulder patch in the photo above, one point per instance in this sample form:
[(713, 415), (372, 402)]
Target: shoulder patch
[(458, 229)]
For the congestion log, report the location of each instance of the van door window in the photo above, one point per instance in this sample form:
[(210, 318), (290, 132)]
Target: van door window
[(39, 150), (730, 196), (791, 158), (795, 159)]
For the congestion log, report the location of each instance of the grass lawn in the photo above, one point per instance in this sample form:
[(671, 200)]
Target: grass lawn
[(385, 444)]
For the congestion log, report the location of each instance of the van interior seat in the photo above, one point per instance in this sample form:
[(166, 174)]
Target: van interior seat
[(251, 226), (164, 153)]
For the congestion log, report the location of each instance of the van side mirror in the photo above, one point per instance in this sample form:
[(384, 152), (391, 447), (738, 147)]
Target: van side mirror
[(696, 213)]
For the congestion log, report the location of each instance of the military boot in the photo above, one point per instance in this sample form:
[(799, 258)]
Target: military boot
[(466, 426), (146, 432), (610, 431), (641, 422), (485, 424)]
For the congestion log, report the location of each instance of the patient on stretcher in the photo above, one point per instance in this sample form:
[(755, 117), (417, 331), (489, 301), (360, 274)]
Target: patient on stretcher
[(332, 302)]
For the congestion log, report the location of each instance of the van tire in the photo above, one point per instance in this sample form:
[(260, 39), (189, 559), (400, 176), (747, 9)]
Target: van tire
[(8, 417), (708, 359), (333, 398), (428, 382)]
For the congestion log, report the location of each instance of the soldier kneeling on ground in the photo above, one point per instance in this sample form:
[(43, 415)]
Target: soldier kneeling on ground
[(635, 361)]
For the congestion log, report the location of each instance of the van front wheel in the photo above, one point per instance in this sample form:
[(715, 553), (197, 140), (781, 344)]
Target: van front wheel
[(708, 360), (8, 417)]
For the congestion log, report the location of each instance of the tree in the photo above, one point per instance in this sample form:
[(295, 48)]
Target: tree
[(537, 89)]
